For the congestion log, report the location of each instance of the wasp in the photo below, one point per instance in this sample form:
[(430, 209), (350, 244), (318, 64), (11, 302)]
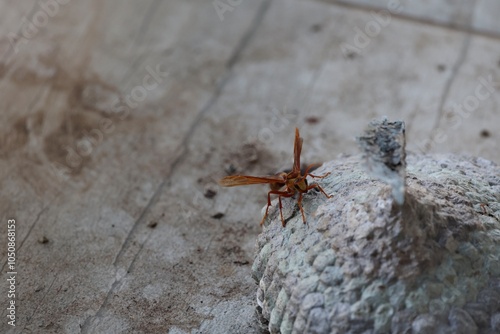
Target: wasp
[(282, 184)]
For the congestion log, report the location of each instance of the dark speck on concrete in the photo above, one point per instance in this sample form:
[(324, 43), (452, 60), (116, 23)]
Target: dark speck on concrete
[(485, 133), (441, 68)]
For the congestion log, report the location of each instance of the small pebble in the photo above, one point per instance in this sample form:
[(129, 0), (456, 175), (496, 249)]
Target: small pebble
[(485, 133), (209, 193), (43, 240)]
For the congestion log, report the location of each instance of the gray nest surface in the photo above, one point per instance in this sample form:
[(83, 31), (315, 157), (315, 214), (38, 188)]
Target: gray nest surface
[(365, 264)]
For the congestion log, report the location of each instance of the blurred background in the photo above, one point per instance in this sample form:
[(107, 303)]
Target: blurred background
[(119, 117)]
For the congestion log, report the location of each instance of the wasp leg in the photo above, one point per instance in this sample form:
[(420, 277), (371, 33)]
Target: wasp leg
[(279, 193), (315, 176), (299, 202), (318, 176), (315, 185)]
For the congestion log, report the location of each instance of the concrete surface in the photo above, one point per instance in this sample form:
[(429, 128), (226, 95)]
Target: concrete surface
[(119, 116)]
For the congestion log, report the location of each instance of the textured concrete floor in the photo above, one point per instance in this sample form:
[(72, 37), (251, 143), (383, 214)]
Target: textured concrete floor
[(118, 117)]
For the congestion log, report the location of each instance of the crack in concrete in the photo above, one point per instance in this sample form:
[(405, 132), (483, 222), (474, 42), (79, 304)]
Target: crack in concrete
[(183, 147), (143, 27), (446, 92), (146, 21), (31, 229), (11, 50), (447, 87), (328, 51), (28, 319), (235, 57), (421, 20), (130, 73), (132, 263)]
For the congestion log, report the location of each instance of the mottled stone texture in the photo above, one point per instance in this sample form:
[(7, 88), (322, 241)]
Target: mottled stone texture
[(364, 264)]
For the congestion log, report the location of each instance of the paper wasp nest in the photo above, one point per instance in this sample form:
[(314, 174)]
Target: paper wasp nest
[(365, 264)]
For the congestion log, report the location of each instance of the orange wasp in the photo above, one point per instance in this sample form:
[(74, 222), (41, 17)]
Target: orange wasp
[(282, 184)]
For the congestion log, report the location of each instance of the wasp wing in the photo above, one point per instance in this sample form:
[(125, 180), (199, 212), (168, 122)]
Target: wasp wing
[(241, 180), (297, 149)]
